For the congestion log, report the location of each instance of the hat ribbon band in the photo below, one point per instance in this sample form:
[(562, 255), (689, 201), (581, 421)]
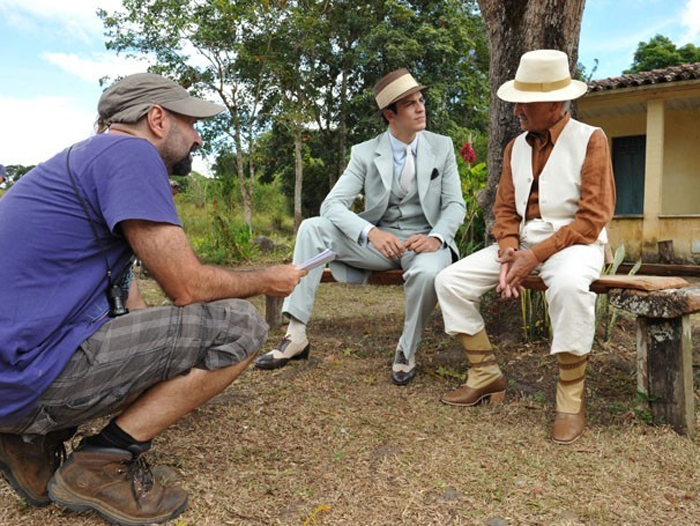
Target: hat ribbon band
[(542, 86), (394, 89)]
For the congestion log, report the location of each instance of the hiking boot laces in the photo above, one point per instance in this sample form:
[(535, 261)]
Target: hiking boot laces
[(141, 477)]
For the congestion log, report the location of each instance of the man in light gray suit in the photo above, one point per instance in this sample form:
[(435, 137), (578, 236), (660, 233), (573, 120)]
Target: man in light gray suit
[(413, 208)]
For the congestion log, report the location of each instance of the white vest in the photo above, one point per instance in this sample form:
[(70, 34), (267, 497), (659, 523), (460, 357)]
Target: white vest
[(560, 180)]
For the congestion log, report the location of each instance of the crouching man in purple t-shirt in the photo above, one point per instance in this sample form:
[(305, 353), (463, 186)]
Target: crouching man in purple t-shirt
[(69, 229)]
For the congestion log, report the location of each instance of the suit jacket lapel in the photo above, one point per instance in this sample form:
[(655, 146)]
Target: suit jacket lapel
[(425, 162), (384, 161)]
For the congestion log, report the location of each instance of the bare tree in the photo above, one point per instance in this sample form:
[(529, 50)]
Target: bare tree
[(515, 27)]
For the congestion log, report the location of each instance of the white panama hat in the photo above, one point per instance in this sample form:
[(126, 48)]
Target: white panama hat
[(542, 76)]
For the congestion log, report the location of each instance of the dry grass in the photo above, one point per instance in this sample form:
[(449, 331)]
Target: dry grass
[(330, 441)]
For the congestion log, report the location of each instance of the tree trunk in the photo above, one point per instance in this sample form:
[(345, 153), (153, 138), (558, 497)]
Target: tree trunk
[(515, 27), (343, 129), (242, 182), (298, 179), (250, 186)]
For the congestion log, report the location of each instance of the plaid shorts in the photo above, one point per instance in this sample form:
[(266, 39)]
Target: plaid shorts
[(133, 352)]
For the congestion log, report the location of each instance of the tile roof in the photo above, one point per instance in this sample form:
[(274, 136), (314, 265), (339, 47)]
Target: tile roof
[(655, 76)]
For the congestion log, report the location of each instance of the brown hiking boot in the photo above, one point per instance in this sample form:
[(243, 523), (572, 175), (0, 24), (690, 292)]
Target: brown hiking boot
[(28, 466), (116, 484)]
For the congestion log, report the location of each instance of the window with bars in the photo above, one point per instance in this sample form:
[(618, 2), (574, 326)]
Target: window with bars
[(628, 156)]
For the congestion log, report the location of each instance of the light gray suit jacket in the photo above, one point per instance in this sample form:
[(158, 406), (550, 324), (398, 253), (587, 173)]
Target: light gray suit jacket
[(371, 172)]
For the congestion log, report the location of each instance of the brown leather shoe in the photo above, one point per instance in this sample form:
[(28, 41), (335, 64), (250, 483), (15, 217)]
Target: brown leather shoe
[(28, 466), (116, 484), (468, 396), (568, 427)]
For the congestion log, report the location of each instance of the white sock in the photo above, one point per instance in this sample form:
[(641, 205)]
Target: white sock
[(296, 331)]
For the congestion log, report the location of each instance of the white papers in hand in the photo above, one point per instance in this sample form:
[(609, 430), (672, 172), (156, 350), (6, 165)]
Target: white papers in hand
[(318, 260)]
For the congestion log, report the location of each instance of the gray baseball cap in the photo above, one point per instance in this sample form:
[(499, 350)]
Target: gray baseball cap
[(130, 98)]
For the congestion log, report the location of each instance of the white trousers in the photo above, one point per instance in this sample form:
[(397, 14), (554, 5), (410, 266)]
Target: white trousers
[(567, 274)]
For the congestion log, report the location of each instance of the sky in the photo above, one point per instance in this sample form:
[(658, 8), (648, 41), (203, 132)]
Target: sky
[(52, 55)]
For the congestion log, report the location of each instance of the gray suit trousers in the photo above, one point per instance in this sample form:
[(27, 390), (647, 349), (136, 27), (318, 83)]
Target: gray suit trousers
[(318, 233)]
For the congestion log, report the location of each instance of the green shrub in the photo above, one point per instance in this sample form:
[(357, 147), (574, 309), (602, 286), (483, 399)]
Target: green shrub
[(535, 315), (470, 236), (212, 217)]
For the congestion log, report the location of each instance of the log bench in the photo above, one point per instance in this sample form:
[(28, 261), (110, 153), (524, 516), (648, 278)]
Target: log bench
[(662, 306)]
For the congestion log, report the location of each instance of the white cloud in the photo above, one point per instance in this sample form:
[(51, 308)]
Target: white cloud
[(77, 18), (97, 66), (202, 166), (38, 125), (690, 19), (67, 122), (41, 127)]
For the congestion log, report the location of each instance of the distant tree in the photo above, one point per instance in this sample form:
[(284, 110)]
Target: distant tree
[(659, 53), (202, 46), (514, 27), (297, 71), (689, 53), (443, 44), (15, 172), (276, 148), (583, 74)]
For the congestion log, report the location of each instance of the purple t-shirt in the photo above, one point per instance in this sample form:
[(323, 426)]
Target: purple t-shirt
[(54, 277)]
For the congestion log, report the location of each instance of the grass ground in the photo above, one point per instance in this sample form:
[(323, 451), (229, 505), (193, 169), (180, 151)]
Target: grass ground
[(330, 441)]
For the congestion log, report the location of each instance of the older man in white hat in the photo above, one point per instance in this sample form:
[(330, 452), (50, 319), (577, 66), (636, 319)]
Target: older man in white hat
[(555, 196), (413, 208)]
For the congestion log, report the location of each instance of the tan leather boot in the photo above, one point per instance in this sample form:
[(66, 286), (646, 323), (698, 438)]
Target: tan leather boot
[(484, 379), (570, 419), (117, 484)]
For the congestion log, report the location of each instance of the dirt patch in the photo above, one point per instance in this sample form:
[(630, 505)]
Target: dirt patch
[(330, 441)]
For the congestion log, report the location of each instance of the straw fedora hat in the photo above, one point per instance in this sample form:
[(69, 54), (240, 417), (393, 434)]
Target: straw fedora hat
[(542, 76), (395, 86)]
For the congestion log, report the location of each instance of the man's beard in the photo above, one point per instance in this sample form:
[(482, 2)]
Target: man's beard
[(183, 166)]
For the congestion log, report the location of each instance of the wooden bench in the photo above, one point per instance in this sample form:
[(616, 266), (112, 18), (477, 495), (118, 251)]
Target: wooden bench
[(662, 306)]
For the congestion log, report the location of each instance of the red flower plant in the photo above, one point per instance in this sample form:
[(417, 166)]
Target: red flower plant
[(468, 153)]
